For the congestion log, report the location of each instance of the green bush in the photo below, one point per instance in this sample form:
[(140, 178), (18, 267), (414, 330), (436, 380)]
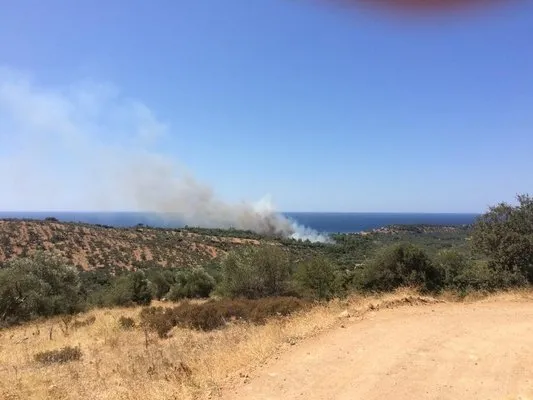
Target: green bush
[(317, 278), (119, 293), (140, 292), (160, 282), (273, 267), (42, 285), (255, 272), (505, 235), (452, 266), (397, 266), (95, 281), (213, 268), (461, 274), (194, 283), (476, 276), (126, 290)]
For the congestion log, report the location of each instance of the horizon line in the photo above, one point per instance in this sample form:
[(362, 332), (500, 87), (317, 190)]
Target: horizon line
[(279, 212)]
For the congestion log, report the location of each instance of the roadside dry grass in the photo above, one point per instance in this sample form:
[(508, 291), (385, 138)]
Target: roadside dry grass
[(119, 363), (128, 364)]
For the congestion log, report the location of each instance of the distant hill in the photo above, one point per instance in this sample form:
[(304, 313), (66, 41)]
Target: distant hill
[(422, 228), (93, 246)]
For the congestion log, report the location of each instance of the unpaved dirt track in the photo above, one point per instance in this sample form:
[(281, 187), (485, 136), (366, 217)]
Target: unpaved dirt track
[(440, 351)]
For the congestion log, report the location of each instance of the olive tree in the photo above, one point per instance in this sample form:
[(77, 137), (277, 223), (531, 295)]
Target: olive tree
[(505, 235), (41, 285)]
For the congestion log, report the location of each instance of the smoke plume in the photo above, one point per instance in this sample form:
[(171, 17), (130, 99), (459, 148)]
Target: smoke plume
[(87, 147)]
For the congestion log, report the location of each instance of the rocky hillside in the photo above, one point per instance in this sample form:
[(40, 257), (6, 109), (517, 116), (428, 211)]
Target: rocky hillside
[(94, 246)]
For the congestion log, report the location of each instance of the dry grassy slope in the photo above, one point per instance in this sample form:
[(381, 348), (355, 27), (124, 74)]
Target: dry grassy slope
[(125, 364), (92, 246), (388, 346)]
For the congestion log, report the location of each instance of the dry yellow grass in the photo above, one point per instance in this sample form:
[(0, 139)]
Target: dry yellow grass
[(117, 364)]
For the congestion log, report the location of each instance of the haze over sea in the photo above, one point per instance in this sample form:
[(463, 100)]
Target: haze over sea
[(322, 222)]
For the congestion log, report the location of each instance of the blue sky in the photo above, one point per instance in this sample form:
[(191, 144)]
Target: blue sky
[(324, 108)]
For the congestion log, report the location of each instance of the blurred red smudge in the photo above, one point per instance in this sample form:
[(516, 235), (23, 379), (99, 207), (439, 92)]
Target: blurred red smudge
[(431, 6)]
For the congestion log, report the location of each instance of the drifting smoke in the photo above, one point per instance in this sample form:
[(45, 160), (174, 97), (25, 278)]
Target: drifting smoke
[(157, 188), (87, 147)]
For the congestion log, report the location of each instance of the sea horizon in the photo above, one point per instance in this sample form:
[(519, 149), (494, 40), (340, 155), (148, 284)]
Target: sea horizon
[(322, 222)]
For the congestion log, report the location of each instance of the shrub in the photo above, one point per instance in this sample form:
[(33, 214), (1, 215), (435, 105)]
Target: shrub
[(272, 266), (461, 274), (451, 265), (160, 282), (475, 276), (126, 290), (205, 317), (157, 319), (255, 272), (213, 268), (194, 283), (274, 306), (87, 322), (215, 314), (505, 235), (42, 285), (63, 355), (317, 278), (126, 323), (119, 293), (400, 265), (238, 275), (480, 276), (95, 280), (140, 292)]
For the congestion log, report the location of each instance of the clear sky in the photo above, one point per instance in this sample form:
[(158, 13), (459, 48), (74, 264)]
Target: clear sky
[(324, 108)]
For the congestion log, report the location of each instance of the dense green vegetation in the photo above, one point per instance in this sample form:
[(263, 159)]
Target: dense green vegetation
[(496, 253), (40, 286), (505, 235)]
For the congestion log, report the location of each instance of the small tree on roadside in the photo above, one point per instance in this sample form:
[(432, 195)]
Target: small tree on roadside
[(273, 267), (505, 235), (400, 265), (193, 283), (317, 278), (255, 272), (451, 264), (462, 274)]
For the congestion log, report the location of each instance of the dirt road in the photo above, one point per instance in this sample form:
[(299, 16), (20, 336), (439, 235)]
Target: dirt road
[(441, 351)]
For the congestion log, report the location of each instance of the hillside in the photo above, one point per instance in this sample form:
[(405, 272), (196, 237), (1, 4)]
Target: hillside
[(93, 246)]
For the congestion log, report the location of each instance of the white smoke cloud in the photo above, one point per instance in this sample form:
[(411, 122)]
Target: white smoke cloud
[(87, 147)]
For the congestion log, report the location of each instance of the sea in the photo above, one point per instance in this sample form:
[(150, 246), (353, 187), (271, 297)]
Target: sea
[(322, 222)]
